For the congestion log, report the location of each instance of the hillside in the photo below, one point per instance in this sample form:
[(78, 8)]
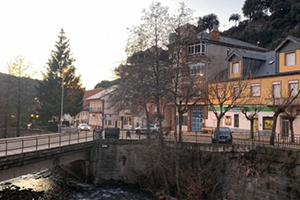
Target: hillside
[(270, 23)]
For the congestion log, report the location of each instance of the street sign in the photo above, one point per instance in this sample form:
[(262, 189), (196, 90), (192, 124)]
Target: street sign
[(104, 117)]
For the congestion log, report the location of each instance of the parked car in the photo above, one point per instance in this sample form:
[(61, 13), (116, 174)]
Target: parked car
[(143, 129), (225, 135), (83, 127)]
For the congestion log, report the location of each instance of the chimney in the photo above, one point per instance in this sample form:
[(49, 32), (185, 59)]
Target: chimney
[(215, 34)]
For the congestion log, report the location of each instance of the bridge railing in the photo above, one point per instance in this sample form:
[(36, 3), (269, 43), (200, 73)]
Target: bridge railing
[(33, 143), (280, 141)]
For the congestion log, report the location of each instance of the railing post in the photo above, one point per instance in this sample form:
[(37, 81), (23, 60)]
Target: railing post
[(278, 140), (22, 144), (86, 136), (36, 143), (69, 138), (59, 139), (49, 141), (78, 138), (6, 147)]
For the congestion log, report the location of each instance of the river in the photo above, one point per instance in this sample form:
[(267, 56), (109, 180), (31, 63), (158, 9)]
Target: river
[(57, 184)]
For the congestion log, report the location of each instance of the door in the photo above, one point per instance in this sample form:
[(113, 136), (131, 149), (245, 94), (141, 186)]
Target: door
[(284, 128), (196, 119)]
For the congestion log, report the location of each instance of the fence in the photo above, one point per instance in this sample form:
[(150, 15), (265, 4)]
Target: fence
[(39, 142), (34, 143)]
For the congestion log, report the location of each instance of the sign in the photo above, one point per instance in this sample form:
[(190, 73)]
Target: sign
[(104, 117)]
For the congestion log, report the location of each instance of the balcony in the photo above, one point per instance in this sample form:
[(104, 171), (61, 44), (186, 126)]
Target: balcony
[(281, 101), (95, 110)]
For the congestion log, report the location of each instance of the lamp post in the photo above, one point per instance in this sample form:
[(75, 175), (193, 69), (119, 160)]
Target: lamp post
[(63, 72)]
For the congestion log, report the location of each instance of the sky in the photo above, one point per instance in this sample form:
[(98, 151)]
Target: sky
[(97, 30)]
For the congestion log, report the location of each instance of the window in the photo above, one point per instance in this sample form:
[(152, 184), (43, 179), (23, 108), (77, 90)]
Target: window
[(197, 48), (290, 59), (293, 86), (255, 90), (236, 91), (276, 87), (235, 68), (197, 68), (236, 120)]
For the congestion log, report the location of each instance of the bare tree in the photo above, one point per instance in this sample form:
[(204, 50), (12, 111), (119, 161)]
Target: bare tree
[(279, 106), (291, 113), (20, 69), (183, 87), (132, 92), (251, 114), (225, 95)]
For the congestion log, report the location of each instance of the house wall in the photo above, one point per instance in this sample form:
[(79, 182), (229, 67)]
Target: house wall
[(290, 68)]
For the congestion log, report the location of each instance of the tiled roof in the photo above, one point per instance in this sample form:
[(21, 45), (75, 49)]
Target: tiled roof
[(89, 93)]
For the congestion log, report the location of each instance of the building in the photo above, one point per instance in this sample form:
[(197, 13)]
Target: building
[(83, 116), (272, 81), (205, 54)]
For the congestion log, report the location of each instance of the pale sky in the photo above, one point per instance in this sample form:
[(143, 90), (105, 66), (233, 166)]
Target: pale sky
[(97, 30)]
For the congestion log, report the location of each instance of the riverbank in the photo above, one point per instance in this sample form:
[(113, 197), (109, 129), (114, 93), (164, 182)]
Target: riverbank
[(59, 185)]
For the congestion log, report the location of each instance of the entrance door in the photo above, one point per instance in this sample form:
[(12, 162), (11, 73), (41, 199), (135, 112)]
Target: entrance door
[(196, 119), (284, 128)]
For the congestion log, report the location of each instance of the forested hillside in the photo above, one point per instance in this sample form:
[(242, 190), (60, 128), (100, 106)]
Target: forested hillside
[(269, 22)]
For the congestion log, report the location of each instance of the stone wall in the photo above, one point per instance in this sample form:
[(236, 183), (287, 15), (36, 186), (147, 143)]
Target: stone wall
[(266, 173), (116, 160)]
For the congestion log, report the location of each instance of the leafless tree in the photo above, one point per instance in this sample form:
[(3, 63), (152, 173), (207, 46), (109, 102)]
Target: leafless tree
[(132, 92), (292, 112), (183, 86), (279, 106), (225, 95), (251, 114), (21, 86)]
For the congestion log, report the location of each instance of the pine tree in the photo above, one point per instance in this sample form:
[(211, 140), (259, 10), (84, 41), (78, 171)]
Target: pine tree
[(50, 89)]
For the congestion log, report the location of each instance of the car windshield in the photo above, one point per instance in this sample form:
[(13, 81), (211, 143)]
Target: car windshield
[(224, 131), (83, 125)]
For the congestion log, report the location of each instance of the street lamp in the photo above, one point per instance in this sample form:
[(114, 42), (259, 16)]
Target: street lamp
[(63, 72)]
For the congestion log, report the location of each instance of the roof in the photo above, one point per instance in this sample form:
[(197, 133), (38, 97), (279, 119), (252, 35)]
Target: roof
[(268, 67), (288, 38), (229, 41), (103, 93), (89, 93), (243, 54)]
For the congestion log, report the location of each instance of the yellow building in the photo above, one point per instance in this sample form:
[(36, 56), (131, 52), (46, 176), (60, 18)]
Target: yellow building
[(268, 80)]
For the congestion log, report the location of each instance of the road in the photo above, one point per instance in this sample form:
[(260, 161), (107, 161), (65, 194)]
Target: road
[(32, 143)]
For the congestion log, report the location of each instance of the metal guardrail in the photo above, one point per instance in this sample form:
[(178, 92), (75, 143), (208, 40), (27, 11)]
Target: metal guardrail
[(34, 143), (280, 141)]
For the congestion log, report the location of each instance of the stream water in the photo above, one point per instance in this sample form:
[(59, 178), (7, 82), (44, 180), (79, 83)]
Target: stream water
[(57, 184)]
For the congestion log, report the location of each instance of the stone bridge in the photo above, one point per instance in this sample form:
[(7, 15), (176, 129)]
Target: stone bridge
[(91, 159)]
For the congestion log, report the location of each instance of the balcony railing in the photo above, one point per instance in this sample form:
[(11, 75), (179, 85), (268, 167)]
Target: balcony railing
[(95, 110)]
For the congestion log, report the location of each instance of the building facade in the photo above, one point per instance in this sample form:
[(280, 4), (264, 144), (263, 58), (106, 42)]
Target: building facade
[(272, 82), (204, 54)]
